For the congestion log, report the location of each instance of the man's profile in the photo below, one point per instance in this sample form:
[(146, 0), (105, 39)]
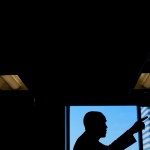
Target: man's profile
[(96, 128)]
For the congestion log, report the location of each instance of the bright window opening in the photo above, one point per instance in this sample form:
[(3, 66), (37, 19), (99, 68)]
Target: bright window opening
[(119, 119)]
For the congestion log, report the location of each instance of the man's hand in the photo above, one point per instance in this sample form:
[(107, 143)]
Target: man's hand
[(139, 125)]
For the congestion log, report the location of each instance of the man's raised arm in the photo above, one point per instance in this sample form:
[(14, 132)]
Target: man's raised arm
[(127, 138)]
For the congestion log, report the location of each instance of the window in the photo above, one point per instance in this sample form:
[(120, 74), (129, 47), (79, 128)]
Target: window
[(145, 111), (119, 119)]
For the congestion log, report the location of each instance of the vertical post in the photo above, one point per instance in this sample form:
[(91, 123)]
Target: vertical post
[(67, 127), (140, 133)]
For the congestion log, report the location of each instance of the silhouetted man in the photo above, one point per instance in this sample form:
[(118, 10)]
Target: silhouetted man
[(95, 128)]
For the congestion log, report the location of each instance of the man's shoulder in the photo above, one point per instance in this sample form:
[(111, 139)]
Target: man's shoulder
[(84, 143), (102, 146)]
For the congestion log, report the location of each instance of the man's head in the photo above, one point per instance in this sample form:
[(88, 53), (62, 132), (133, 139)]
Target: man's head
[(95, 122)]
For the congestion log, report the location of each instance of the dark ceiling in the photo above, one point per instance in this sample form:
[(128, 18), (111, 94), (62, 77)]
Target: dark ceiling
[(108, 75)]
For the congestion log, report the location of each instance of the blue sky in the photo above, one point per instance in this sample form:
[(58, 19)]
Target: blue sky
[(119, 119)]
